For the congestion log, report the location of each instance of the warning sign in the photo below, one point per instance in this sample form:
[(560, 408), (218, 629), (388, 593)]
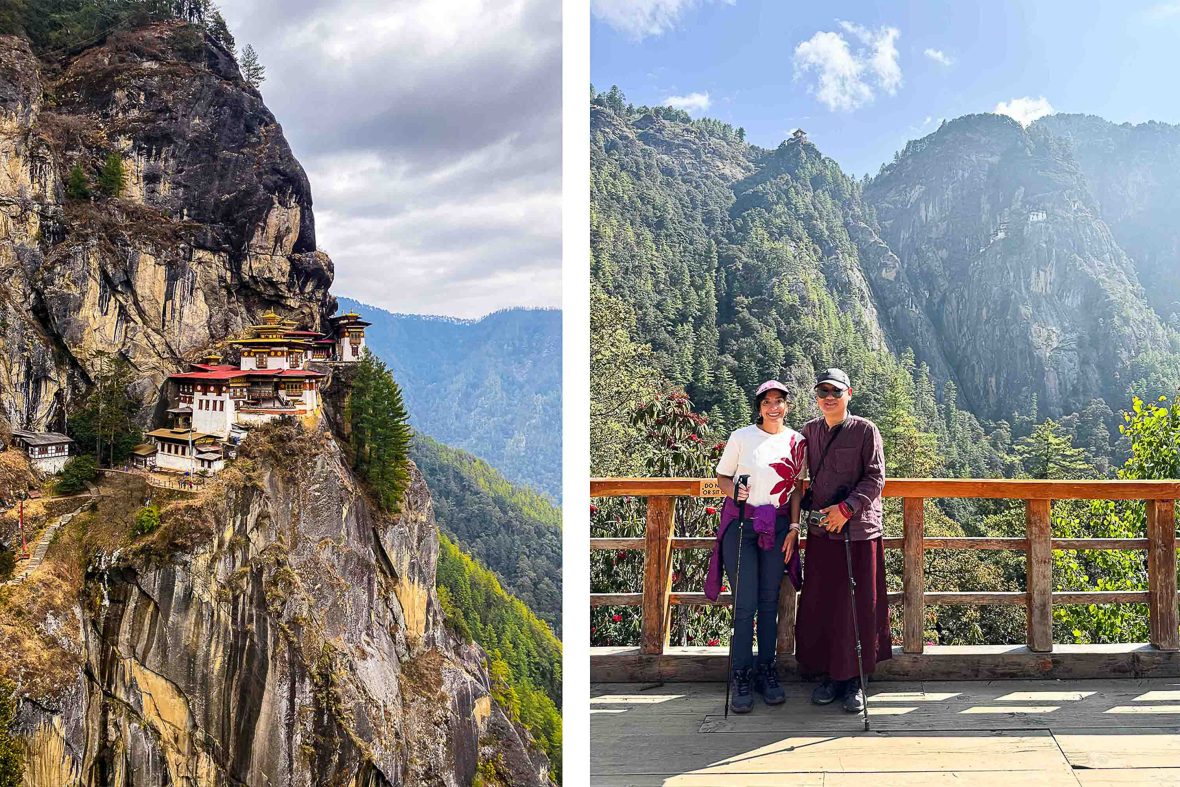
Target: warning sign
[(709, 488)]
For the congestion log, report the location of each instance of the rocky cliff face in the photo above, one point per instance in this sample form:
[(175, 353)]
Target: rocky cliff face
[(279, 630), (213, 227), (1007, 279), (1133, 172)]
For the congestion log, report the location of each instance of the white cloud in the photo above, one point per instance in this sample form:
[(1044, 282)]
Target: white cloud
[(1161, 11), (938, 56), (1025, 110), (693, 102), (844, 75), (642, 18), (431, 133)]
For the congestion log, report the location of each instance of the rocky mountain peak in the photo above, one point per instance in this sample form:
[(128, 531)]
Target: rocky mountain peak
[(997, 231)]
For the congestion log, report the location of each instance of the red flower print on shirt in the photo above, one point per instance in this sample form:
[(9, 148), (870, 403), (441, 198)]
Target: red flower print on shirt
[(788, 471)]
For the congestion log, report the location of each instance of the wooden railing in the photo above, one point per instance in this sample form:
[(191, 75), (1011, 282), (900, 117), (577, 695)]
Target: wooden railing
[(659, 543)]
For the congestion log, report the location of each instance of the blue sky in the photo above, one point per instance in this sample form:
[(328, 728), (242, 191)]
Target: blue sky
[(863, 78)]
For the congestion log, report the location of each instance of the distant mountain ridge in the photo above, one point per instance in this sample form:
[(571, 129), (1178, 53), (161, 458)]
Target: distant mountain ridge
[(490, 386)]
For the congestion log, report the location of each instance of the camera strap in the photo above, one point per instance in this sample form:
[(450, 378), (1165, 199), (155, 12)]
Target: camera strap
[(823, 456)]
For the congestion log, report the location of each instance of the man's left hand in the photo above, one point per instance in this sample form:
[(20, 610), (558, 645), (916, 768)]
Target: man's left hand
[(834, 519)]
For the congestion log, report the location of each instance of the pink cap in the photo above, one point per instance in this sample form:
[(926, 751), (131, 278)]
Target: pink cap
[(771, 385)]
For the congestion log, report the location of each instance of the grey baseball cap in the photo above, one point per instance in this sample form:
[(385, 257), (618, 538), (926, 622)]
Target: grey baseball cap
[(836, 377)]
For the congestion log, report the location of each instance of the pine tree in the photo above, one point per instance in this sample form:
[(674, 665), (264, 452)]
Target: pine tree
[(219, 30), (1049, 453), (252, 69), (77, 186), (909, 451), (105, 421), (111, 177), (379, 431)]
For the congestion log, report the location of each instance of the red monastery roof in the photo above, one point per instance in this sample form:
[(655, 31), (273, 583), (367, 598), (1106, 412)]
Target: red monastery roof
[(221, 373)]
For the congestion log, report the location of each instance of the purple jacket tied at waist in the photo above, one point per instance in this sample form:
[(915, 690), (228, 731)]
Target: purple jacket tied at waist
[(763, 519)]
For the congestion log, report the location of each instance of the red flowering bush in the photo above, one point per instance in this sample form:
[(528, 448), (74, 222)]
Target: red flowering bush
[(679, 445)]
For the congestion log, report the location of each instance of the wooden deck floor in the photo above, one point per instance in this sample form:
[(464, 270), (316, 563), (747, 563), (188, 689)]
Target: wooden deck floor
[(1009, 733)]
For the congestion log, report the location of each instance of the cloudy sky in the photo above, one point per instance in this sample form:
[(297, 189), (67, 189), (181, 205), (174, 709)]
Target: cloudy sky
[(431, 132), (863, 77)]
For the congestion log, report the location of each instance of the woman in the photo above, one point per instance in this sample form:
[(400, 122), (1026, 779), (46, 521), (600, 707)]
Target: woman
[(771, 455)]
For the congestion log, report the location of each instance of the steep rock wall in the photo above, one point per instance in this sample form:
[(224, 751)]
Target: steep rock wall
[(213, 227), (1007, 277), (279, 631)]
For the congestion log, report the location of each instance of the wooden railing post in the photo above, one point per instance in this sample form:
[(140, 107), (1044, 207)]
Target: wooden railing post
[(1040, 576), (787, 600), (657, 575), (1161, 574), (913, 575)]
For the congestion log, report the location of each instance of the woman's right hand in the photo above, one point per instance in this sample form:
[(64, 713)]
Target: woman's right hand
[(789, 545), (740, 492)]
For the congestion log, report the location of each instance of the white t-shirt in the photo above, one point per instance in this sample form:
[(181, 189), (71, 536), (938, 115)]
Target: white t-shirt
[(773, 462)]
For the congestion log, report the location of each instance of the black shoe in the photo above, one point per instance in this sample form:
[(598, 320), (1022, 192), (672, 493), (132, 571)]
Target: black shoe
[(826, 692), (741, 699), (766, 684), (854, 697)]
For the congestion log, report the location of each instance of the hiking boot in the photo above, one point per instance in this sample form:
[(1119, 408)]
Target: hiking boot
[(741, 699), (854, 697), (766, 684), (826, 692)]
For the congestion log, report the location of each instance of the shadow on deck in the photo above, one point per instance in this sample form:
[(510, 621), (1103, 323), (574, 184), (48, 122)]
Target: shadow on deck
[(1077, 732)]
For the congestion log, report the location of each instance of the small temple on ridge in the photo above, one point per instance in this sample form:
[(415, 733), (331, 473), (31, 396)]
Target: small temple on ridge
[(213, 404)]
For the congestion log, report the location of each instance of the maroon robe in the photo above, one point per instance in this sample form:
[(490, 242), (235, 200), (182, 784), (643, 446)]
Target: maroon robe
[(824, 640)]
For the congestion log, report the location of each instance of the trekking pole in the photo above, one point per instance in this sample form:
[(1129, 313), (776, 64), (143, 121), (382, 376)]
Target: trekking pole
[(860, 665), (742, 480)]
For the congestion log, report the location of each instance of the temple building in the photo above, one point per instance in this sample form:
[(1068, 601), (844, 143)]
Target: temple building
[(47, 451), (348, 336), (215, 402), (183, 450)]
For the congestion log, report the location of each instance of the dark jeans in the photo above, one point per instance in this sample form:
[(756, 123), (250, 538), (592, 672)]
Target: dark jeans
[(762, 574)]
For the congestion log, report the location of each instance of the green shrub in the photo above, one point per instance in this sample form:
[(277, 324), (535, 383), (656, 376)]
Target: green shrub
[(7, 564), (77, 472), (147, 520), (77, 187), (11, 757)]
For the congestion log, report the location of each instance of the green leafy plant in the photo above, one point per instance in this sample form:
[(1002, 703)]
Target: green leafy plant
[(147, 520), (11, 753)]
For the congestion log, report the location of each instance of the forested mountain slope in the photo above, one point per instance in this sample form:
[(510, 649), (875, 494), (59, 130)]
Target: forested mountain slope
[(514, 531), (1005, 255), (981, 248), (737, 262)]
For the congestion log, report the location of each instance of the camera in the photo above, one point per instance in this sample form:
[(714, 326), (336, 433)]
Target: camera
[(812, 518)]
